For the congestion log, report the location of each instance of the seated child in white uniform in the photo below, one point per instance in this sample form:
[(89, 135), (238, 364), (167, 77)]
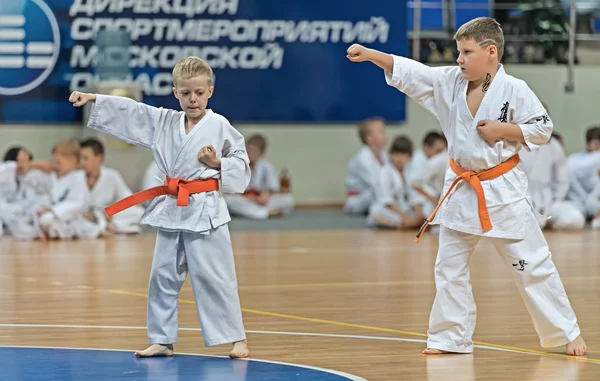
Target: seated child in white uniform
[(261, 199), (364, 167), (107, 186), (396, 205)]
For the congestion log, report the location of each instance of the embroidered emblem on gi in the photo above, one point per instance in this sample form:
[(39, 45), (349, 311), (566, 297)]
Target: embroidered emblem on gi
[(503, 113), (521, 265)]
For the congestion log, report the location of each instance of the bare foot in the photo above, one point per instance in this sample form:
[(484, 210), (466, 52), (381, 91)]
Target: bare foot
[(240, 350), (577, 347), (433, 351), (156, 350)]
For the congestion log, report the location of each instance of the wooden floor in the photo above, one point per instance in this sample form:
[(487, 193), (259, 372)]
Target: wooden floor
[(352, 301)]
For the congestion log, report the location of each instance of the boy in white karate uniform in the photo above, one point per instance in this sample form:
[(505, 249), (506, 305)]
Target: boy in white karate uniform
[(424, 169), (583, 167), (261, 199), (364, 167), (487, 117), (13, 193), (396, 205), (189, 211), (433, 143), (107, 186)]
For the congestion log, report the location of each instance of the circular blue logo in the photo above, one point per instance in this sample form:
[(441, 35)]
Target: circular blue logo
[(29, 45)]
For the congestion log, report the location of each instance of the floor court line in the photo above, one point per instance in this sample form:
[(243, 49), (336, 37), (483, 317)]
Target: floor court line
[(381, 329), (285, 333)]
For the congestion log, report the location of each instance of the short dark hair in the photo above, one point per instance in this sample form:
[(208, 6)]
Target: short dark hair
[(13, 153), (557, 136), (401, 144), (592, 133), (95, 145), (433, 137)]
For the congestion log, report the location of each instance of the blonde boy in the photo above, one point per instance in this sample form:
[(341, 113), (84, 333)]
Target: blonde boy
[(364, 167), (487, 117), (189, 211)]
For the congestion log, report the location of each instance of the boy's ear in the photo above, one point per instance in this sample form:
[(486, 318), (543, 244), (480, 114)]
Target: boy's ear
[(492, 50), (175, 92)]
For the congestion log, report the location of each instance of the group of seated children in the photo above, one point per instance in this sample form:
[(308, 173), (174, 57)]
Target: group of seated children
[(398, 188), (65, 197)]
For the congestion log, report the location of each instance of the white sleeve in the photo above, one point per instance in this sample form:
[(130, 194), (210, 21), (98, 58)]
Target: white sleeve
[(593, 200), (8, 172), (76, 202), (235, 165), (128, 120), (533, 119), (434, 169), (430, 87), (271, 179), (560, 180), (383, 188)]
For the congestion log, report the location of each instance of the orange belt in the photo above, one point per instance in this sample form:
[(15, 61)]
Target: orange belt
[(176, 187), (474, 178)]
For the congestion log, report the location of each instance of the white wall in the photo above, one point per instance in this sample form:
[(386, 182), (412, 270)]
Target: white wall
[(317, 155)]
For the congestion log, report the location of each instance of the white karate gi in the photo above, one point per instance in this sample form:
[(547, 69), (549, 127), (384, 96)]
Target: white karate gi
[(194, 238), (430, 177), (264, 179), (68, 201), (583, 170), (110, 188), (19, 193), (391, 188), (515, 233), (548, 184), (593, 205), (153, 176), (8, 191), (363, 170)]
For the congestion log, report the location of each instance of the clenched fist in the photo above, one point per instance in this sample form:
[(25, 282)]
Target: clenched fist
[(79, 99), (208, 155), (358, 53), (490, 130)]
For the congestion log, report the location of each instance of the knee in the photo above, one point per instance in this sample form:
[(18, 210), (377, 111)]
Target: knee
[(570, 222), (46, 220), (353, 206), (166, 281)]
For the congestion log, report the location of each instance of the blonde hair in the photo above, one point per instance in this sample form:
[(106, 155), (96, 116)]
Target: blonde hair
[(259, 141), (190, 67), (364, 127), (485, 31), (67, 147)]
